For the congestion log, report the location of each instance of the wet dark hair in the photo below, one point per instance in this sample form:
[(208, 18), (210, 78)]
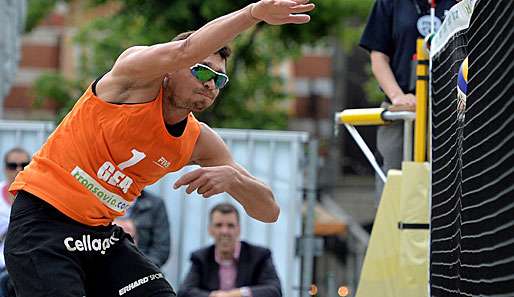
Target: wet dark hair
[(224, 208), (224, 52)]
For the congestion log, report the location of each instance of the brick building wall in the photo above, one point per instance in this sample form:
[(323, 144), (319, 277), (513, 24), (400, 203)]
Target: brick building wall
[(48, 48)]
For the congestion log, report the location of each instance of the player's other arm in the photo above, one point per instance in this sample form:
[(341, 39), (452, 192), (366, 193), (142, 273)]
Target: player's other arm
[(220, 173), (152, 62)]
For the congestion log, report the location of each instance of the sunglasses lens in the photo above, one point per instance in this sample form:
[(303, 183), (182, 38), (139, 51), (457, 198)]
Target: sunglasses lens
[(203, 74), (221, 81)]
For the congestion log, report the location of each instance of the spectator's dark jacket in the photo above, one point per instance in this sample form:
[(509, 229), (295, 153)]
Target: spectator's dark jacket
[(152, 227), (255, 270)]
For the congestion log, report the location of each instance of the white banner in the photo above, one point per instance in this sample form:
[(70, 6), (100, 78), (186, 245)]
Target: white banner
[(456, 20)]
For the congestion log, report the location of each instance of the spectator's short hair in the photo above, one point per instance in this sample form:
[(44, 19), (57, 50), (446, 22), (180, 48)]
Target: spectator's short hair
[(224, 208), (224, 52), (15, 150)]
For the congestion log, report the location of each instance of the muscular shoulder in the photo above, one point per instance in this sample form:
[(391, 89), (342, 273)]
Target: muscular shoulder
[(120, 85), (120, 67)]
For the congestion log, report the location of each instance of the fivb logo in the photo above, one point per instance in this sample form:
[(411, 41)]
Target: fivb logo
[(162, 162), (89, 245)]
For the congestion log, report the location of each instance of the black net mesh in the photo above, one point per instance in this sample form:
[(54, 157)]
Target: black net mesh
[(472, 234)]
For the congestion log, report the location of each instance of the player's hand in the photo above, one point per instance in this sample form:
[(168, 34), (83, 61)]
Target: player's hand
[(404, 99), (278, 12), (208, 181)]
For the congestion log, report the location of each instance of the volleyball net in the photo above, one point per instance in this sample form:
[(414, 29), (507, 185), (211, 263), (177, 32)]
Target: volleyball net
[(472, 135)]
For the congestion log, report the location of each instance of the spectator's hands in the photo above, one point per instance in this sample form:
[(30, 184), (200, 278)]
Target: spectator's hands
[(278, 12), (208, 181), (404, 99)]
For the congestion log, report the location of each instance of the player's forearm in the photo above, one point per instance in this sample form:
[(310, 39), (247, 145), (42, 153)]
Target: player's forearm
[(384, 75), (217, 33), (256, 198)]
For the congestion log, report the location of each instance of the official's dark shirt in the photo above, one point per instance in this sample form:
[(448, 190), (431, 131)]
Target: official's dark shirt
[(392, 30)]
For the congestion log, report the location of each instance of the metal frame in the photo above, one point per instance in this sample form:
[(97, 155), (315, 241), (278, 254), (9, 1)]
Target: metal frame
[(384, 116)]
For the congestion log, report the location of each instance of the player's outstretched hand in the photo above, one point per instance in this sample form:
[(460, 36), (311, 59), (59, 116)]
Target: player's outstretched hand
[(208, 181), (278, 12)]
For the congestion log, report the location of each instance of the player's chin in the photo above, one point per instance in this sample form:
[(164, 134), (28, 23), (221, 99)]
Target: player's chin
[(199, 107)]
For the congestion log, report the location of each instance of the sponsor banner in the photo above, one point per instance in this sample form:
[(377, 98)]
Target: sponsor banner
[(109, 199), (456, 20)]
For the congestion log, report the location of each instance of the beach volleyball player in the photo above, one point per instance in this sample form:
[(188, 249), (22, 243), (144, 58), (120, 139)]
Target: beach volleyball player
[(130, 127)]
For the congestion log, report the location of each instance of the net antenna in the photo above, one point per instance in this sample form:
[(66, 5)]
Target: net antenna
[(432, 17)]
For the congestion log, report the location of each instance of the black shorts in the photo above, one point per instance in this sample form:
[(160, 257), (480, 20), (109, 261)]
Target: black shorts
[(49, 254)]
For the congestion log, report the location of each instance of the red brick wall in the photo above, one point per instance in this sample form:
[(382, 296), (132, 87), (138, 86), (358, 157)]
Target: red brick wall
[(313, 66), (40, 56)]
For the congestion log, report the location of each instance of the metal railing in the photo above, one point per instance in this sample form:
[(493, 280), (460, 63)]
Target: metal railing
[(376, 117)]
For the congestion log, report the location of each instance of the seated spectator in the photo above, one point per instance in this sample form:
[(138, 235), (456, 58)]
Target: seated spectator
[(230, 267), (152, 227), (147, 222), (14, 161)]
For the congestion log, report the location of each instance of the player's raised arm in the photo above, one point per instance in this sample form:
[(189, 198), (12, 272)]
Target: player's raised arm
[(152, 62)]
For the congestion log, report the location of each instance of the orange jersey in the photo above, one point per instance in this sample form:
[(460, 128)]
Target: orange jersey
[(102, 155)]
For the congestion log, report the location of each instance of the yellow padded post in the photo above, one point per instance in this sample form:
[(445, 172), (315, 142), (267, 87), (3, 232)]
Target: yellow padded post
[(362, 117), (420, 131)]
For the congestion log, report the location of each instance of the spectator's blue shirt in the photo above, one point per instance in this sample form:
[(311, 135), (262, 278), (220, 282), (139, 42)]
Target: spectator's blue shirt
[(392, 29)]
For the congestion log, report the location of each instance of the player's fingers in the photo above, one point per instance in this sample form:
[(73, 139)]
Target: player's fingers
[(188, 178), (204, 188), (211, 192), (296, 19), (302, 8), (195, 184)]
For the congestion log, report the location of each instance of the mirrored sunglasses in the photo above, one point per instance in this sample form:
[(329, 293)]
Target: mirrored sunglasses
[(205, 73)]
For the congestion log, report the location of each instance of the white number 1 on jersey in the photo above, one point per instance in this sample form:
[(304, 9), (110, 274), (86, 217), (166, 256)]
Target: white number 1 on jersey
[(137, 156)]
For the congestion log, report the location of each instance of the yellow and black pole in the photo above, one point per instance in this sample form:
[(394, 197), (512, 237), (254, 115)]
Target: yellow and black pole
[(420, 131)]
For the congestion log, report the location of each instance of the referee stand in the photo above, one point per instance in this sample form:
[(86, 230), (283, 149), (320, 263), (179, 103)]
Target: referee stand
[(397, 258)]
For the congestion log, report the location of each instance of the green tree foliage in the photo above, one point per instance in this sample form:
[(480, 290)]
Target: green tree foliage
[(255, 95), (37, 9), (59, 90)]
